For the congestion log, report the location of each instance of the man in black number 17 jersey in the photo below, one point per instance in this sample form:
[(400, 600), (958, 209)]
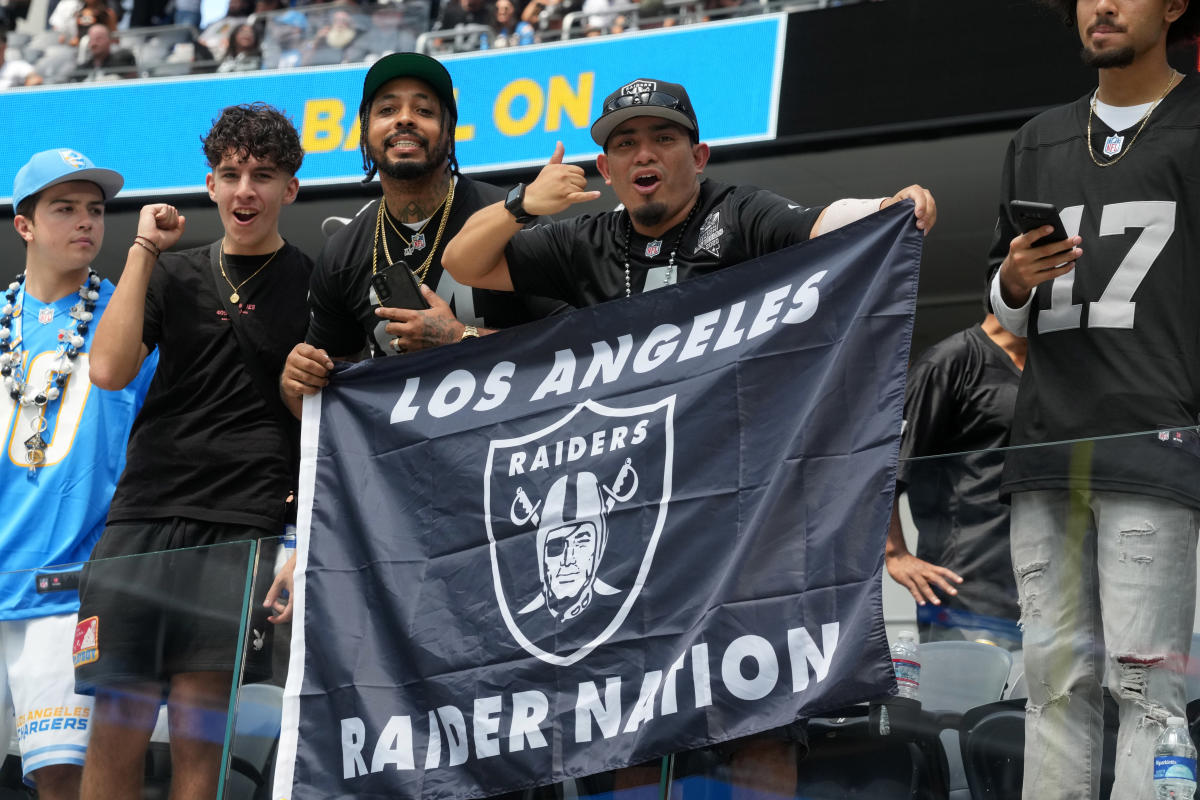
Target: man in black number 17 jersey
[(1104, 522)]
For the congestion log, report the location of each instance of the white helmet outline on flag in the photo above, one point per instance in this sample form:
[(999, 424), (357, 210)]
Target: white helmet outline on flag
[(557, 524), (517, 499)]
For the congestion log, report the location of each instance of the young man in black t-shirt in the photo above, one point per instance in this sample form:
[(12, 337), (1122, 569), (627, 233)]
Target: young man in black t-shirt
[(210, 462), (1104, 527), (676, 225), (407, 116), (958, 406)]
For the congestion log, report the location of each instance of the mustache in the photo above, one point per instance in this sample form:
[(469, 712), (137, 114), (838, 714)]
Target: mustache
[(1107, 24)]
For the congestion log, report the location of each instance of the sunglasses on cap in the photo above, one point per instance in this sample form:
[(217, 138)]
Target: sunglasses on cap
[(659, 99)]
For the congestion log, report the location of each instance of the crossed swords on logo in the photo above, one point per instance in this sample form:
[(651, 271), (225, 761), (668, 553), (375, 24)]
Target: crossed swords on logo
[(523, 511)]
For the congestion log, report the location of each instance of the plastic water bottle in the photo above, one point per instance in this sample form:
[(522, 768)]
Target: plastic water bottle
[(483, 41), (907, 663), (1175, 762)]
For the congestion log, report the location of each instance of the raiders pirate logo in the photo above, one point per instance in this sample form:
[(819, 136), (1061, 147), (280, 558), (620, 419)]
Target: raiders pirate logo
[(638, 88), (574, 513)]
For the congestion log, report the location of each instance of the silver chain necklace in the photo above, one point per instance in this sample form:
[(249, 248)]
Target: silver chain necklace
[(669, 279)]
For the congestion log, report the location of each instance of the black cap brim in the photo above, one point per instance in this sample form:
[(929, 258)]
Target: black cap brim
[(603, 127)]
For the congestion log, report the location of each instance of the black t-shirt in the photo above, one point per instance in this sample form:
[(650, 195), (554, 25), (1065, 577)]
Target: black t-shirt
[(960, 398), (343, 319), (582, 260), (206, 445), (1113, 344)]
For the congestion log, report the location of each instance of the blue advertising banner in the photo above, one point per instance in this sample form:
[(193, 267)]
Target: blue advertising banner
[(514, 104), (629, 530)]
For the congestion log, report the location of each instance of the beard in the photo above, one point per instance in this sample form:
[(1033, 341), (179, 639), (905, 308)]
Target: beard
[(1108, 59), (408, 169), (650, 214)]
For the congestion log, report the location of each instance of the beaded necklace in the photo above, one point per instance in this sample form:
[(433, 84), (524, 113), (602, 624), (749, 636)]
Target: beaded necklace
[(668, 279), (12, 359)]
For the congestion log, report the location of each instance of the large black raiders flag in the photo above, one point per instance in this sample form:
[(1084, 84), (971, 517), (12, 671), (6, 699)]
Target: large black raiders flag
[(629, 530)]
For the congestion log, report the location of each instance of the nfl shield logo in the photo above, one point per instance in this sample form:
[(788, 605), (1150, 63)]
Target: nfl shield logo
[(573, 514), (1112, 145), (45, 315), (653, 248), (418, 241)]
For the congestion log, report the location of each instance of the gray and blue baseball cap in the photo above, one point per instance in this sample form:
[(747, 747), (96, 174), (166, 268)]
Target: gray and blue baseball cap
[(51, 167)]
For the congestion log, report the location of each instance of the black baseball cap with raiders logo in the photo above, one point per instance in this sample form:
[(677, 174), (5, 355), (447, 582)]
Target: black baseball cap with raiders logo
[(645, 97)]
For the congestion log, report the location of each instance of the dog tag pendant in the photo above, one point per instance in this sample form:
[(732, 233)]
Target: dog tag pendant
[(35, 452)]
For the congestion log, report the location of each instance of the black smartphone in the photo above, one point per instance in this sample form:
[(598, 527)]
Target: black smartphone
[(1026, 216), (396, 287)]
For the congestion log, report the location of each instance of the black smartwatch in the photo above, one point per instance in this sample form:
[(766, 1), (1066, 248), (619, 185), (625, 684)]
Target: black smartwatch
[(515, 203)]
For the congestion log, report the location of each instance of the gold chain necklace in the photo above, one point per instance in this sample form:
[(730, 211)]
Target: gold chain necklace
[(416, 243), (1144, 120), (235, 297), (381, 236)]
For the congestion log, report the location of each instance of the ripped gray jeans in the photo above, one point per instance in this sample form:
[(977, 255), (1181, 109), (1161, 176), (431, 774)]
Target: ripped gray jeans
[(1107, 585)]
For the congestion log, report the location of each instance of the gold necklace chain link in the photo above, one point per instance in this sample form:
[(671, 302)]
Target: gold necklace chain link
[(409, 243), (236, 296), (381, 236), (1145, 118)]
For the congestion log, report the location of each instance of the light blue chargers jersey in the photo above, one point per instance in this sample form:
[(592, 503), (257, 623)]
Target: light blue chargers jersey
[(54, 515)]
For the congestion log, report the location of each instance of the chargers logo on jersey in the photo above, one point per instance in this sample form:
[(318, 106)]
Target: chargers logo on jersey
[(574, 511)]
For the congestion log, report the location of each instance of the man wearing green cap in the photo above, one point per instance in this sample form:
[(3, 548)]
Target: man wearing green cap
[(407, 118)]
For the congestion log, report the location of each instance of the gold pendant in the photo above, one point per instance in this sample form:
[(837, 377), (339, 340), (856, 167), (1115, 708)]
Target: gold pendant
[(35, 452), (233, 298)]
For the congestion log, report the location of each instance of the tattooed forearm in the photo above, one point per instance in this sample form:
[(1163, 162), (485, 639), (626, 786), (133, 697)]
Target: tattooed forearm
[(436, 331)]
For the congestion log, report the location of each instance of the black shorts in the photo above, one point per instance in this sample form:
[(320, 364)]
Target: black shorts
[(164, 596)]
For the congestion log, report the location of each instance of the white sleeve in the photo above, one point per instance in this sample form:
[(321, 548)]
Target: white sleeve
[(1015, 320), (843, 212)]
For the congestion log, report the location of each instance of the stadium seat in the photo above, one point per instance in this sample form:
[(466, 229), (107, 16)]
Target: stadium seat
[(993, 748), (956, 677), (847, 760)]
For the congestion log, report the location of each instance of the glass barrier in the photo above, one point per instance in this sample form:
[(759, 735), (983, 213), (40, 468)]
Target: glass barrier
[(963, 735), (142, 617)]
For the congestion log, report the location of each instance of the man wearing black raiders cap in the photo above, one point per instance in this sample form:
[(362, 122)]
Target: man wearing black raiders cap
[(407, 118), (675, 225)]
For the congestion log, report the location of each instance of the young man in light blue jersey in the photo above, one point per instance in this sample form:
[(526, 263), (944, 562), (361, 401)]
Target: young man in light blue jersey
[(64, 443)]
